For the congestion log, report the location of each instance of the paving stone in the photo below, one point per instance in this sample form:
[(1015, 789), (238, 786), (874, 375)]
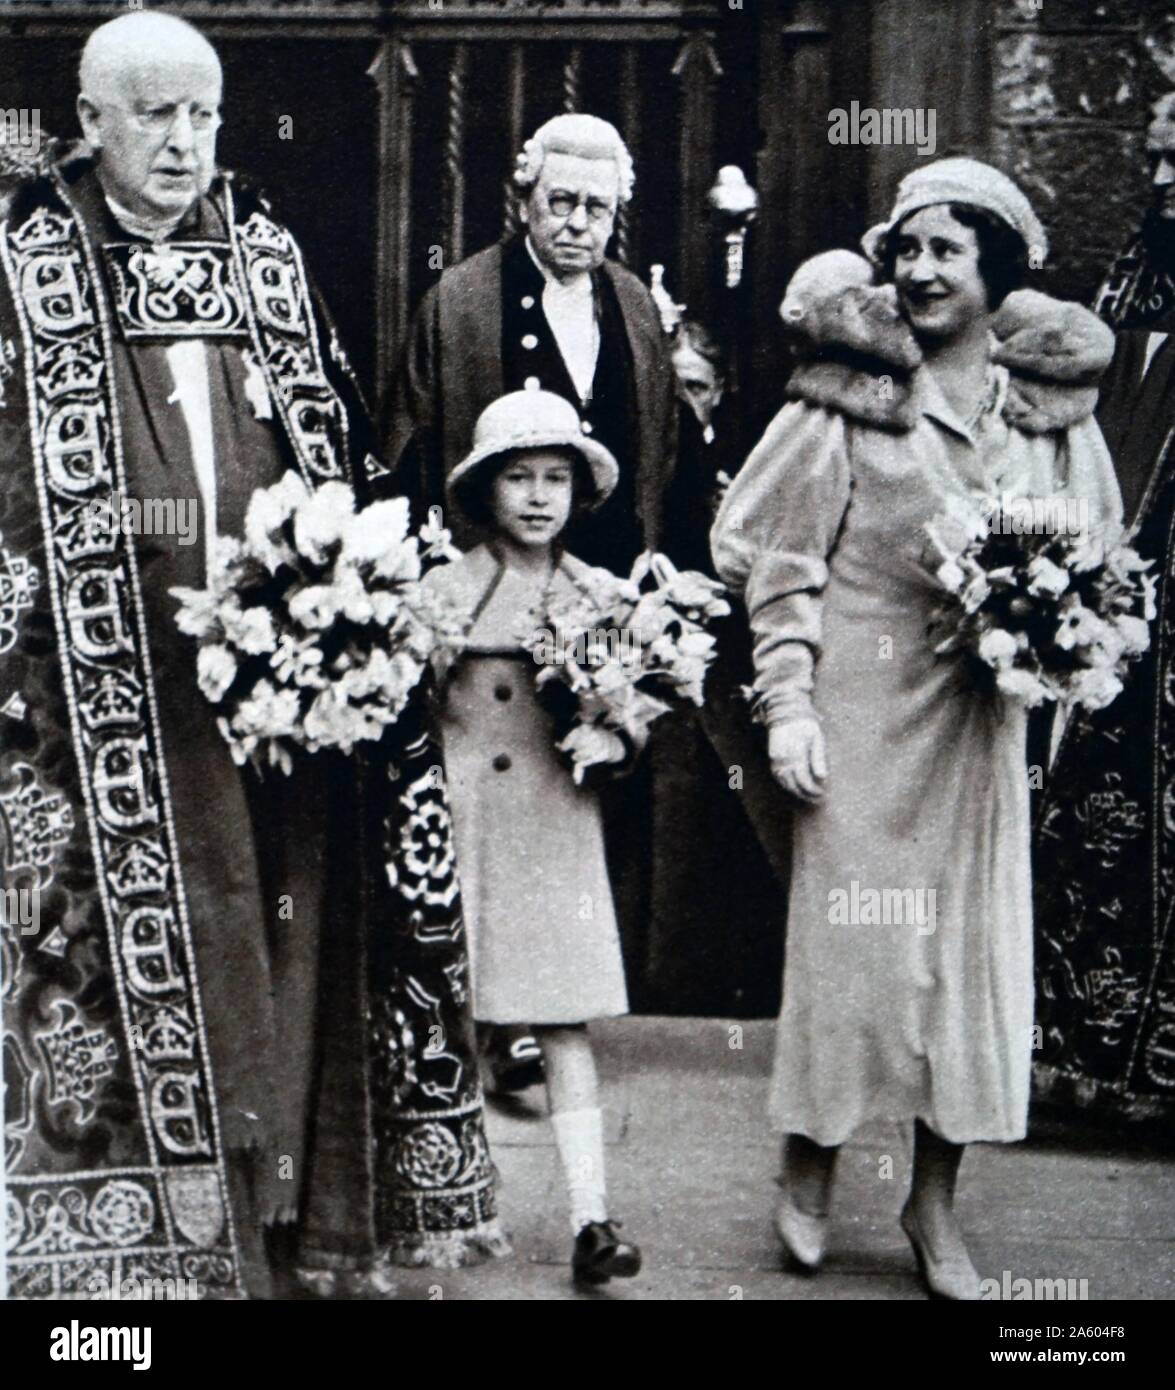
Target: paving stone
[(691, 1162)]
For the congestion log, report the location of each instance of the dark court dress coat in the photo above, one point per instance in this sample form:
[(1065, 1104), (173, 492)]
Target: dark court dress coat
[(714, 944)]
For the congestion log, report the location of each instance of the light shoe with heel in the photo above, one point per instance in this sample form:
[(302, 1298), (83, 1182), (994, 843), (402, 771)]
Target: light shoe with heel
[(803, 1235), (954, 1278)]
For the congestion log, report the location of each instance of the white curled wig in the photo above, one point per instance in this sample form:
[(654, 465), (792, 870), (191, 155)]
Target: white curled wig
[(588, 137)]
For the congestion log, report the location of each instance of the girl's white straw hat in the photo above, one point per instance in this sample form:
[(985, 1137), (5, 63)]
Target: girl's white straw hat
[(532, 419)]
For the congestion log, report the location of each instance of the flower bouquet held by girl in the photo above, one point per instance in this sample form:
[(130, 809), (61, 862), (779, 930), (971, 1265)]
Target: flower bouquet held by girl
[(313, 629), (619, 654), (1037, 610)]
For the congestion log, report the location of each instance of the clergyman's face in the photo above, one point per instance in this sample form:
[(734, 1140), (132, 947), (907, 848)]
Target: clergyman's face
[(530, 499), (1160, 151), (571, 211), (936, 272), (156, 122)]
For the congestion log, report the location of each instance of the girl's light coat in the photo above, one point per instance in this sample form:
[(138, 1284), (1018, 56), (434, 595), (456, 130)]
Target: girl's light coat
[(542, 928)]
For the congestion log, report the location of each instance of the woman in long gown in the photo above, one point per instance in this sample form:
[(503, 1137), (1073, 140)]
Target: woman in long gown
[(930, 390)]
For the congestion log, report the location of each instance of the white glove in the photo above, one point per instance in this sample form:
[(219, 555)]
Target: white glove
[(798, 760), (589, 745)]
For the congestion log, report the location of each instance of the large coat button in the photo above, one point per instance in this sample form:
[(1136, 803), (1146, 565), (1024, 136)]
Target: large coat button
[(502, 762), (502, 692), (529, 342), (528, 301)]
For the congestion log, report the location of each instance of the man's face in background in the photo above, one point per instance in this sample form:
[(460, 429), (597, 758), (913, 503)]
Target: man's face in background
[(698, 382), (1160, 150)]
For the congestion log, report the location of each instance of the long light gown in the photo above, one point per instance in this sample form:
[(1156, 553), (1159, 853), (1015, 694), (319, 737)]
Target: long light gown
[(927, 786)]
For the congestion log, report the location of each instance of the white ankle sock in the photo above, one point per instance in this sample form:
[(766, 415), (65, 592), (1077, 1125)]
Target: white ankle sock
[(579, 1137)]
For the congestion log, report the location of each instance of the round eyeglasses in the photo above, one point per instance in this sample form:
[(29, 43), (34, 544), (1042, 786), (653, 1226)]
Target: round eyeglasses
[(562, 205)]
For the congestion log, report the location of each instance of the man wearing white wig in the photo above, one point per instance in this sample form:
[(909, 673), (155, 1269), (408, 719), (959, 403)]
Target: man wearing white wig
[(547, 309)]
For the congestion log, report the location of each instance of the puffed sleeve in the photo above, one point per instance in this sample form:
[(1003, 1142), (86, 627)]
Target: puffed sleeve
[(771, 540)]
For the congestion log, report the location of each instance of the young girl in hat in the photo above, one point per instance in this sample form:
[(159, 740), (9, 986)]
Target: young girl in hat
[(544, 945)]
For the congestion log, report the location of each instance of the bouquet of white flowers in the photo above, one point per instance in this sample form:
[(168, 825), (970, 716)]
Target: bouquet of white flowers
[(622, 653), (313, 629), (1041, 614)]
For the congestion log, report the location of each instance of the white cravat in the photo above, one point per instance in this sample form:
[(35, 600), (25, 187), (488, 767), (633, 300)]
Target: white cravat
[(148, 228), (188, 361), (1154, 342), (570, 309)]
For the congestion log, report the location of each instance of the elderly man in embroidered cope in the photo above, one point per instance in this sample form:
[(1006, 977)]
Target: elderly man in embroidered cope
[(164, 1024)]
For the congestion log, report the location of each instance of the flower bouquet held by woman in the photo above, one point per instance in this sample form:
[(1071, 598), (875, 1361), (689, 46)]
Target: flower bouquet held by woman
[(1039, 613), (619, 654), (313, 629)]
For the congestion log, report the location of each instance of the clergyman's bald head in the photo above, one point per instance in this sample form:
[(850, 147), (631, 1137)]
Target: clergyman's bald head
[(137, 40)]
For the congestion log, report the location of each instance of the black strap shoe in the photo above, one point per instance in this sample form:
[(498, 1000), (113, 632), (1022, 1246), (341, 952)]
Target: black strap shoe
[(601, 1255), (515, 1061)]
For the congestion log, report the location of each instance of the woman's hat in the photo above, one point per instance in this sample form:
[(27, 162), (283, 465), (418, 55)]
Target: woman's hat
[(532, 419), (961, 180)]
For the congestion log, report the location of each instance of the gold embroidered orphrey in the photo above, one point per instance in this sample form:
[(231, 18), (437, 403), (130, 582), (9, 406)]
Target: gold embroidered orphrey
[(174, 1208), (176, 290)]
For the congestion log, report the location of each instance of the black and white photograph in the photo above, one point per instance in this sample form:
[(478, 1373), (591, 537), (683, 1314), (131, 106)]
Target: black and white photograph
[(587, 690)]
